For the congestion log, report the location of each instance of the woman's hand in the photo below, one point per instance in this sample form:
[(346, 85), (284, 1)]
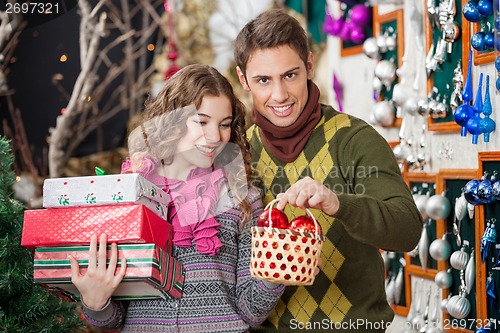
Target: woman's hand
[(99, 282), (309, 193)]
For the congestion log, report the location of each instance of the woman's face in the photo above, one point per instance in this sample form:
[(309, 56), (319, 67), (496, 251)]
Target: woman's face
[(206, 135)]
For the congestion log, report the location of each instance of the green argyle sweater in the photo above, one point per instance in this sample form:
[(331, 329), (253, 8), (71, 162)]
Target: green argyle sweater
[(377, 211)]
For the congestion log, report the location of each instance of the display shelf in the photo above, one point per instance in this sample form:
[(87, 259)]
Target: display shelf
[(442, 79), (423, 183), (392, 22), (452, 181), (488, 161)]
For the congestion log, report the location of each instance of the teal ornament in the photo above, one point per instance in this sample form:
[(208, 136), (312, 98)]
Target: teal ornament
[(473, 123), (470, 11), (477, 41), (464, 112), (485, 7), (486, 124)]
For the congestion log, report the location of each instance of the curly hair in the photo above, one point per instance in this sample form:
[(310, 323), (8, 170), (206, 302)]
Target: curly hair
[(164, 121)]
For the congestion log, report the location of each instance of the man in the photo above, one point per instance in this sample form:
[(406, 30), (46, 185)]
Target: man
[(309, 155)]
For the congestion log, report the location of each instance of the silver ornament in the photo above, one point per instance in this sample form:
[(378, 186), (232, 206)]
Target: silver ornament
[(460, 207), (459, 259), (421, 203), (370, 48), (382, 43), (423, 248), (385, 70), (440, 249), (444, 304), (459, 306), (384, 112), (470, 273), (438, 207), (443, 279), (398, 286)]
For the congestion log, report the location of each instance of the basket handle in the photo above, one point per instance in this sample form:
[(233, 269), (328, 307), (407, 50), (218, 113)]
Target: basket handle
[(271, 204)]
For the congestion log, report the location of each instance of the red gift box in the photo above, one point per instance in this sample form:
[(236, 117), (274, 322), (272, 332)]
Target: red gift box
[(151, 273), (127, 223)]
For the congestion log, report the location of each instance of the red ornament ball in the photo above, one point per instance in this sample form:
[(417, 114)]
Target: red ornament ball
[(278, 219), (304, 223)]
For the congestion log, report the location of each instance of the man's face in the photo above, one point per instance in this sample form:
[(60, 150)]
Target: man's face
[(277, 79)]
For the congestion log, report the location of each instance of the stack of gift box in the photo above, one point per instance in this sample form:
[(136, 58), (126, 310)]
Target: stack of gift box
[(131, 211)]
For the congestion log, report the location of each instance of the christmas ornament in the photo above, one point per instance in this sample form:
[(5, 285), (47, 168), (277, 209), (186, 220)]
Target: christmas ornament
[(470, 192), (477, 41), (384, 113), (495, 190), (486, 124), (496, 264), (304, 223), (440, 249), (438, 207), (274, 218), (485, 7), (490, 290), (459, 259), (485, 189), (470, 273), (398, 285), (470, 11), (465, 111), (443, 279), (473, 123), (459, 306), (488, 239), (423, 247)]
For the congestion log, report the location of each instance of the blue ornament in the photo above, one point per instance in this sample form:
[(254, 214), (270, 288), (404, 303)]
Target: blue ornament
[(470, 12), (489, 237), (477, 41), (489, 40), (485, 7), (473, 123), (486, 124), (495, 190), (497, 45), (498, 83), (497, 23), (485, 191), (464, 112), (470, 192), (497, 64)]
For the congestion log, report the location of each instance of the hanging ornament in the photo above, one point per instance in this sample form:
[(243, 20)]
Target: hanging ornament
[(488, 239), (470, 11), (485, 7), (398, 285), (486, 124), (470, 192), (495, 188), (459, 306), (443, 279), (485, 189), (440, 249), (389, 290), (172, 54), (438, 207), (470, 273), (459, 259), (465, 111), (471, 209), (490, 290), (423, 247), (460, 207), (420, 202), (473, 123), (458, 82), (496, 264)]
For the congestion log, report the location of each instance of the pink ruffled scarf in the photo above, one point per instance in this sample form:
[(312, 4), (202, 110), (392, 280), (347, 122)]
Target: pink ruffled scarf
[(192, 206)]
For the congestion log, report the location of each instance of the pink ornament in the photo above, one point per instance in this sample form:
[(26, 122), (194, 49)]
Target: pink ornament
[(357, 34), (360, 14), (345, 32)]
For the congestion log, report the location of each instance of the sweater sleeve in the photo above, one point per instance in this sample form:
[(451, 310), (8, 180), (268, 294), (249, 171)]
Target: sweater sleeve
[(110, 317), (379, 210), (256, 298)]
